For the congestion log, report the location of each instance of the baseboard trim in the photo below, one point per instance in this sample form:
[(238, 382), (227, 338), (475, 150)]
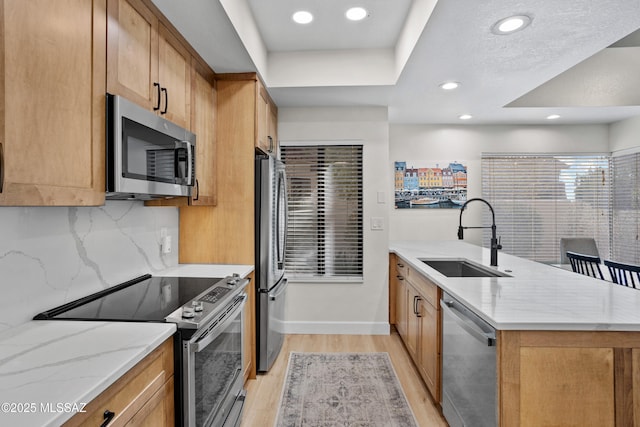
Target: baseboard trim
[(338, 328)]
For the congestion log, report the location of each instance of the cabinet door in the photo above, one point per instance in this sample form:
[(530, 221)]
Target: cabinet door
[(413, 322), (52, 113), (428, 352), (401, 307), (273, 127), (174, 76), (262, 122), (132, 53), (203, 125), (158, 411)]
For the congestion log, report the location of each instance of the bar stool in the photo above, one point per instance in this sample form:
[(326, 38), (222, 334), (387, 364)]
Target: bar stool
[(585, 264), (624, 274)]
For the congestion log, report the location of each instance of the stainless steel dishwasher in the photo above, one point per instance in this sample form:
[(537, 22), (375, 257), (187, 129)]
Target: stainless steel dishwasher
[(469, 382)]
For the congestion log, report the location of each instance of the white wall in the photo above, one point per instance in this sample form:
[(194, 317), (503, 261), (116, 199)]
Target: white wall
[(346, 307), (466, 144), (53, 255), (624, 136)]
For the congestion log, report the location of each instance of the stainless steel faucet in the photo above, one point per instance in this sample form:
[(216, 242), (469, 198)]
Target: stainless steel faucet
[(495, 245)]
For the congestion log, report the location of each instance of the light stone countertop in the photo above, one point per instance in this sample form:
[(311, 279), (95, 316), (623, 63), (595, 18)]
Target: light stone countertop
[(46, 363), (536, 297)]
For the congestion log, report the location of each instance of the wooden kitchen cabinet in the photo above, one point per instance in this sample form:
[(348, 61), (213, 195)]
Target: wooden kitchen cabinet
[(146, 62), (52, 109), (144, 396), (203, 118), (267, 122), (417, 319), (568, 378)]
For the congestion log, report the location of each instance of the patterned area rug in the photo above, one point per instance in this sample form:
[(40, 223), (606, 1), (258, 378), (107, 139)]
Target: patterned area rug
[(342, 389)]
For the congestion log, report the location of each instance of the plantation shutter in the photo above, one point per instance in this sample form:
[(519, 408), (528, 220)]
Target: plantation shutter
[(540, 198), (325, 226), (626, 217)]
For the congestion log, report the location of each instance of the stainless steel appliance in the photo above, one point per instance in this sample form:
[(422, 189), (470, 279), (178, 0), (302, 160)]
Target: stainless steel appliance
[(469, 384), (209, 344), (148, 156), (271, 240)]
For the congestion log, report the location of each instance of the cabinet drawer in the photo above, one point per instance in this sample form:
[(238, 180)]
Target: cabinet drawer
[(131, 392), (402, 268), (424, 286)]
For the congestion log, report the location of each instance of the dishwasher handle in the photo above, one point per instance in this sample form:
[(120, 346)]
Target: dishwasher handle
[(487, 338)]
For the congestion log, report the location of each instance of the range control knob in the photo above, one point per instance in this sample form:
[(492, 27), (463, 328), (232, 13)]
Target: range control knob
[(232, 281), (188, 312), (197, 305)]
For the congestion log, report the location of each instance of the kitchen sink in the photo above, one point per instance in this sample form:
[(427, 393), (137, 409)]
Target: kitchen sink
[(461, 268)]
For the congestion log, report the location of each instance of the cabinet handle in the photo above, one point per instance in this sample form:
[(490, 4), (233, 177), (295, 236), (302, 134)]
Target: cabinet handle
[(166, 100), (416, 298), (197, 190), (400, 265), (270, 144), (108, 416), (1, 167), (399, 277), (157, 107)]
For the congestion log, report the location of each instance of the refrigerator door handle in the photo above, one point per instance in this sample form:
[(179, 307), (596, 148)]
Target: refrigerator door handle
[(283, 204), (283, 287)]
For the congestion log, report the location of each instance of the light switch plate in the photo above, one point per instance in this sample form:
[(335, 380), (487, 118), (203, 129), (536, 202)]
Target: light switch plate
[(377, 223)]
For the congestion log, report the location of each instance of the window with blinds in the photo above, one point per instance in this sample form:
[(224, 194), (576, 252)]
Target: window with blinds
[(625, 212), (325, 226), (540, 198)]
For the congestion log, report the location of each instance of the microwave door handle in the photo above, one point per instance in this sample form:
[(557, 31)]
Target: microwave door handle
[(190, 164), (189, 175)]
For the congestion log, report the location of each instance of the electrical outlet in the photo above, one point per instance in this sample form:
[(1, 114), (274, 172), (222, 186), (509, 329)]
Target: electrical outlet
[(166, 244)]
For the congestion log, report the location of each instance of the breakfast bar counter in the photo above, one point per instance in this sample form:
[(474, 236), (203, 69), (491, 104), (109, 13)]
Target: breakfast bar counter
[(536, 296)]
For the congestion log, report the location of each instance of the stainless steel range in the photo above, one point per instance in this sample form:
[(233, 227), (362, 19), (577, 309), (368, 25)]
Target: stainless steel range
[(208, 346)]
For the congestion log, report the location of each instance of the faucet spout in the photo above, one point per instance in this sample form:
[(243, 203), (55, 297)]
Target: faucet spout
[(495, 245)]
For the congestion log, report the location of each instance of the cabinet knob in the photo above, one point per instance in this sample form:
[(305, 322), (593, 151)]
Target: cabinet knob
[(107, 416)]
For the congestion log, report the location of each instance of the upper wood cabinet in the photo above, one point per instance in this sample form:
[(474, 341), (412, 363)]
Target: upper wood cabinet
[(266, 122), (147, 64), (203, 116), (52, 109)]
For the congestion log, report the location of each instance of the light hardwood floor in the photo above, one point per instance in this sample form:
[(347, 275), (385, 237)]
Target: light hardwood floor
[(263, 393)]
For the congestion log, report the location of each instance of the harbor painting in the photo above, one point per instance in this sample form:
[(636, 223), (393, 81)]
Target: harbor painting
[(430, 185)]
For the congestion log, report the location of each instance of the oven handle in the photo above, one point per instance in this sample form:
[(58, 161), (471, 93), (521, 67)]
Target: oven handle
[(196, 346)]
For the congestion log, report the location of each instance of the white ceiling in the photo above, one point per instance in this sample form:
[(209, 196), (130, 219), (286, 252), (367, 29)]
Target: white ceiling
[(397, 57)]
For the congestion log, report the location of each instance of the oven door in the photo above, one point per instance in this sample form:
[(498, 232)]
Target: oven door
[(212, 370)]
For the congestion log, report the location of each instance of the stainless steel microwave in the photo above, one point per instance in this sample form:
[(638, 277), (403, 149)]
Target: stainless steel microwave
[(148, 157)]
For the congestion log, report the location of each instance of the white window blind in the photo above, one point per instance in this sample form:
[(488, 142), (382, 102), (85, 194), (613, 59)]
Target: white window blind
[(540, 198), (626, 216), (325, 226)]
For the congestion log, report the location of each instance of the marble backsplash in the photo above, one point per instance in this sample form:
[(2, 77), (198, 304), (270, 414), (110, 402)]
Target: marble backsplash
[(53, 255)]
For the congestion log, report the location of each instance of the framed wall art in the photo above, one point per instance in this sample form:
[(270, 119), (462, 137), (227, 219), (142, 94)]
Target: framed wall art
[(430, 184)]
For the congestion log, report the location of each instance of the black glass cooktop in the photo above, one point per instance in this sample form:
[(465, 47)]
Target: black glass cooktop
[(145, 298)]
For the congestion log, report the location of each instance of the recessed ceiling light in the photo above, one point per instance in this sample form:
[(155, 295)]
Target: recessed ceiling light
[(553, 116), (302, 17), (449, 85), (356, 13), (511, 24), (465, 116)]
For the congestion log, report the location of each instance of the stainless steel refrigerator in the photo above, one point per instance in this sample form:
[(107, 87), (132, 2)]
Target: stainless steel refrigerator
[(271, 239)]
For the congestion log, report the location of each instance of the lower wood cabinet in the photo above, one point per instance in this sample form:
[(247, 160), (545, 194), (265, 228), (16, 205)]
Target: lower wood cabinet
[(417, 319), (144, 396), (569, 378)]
